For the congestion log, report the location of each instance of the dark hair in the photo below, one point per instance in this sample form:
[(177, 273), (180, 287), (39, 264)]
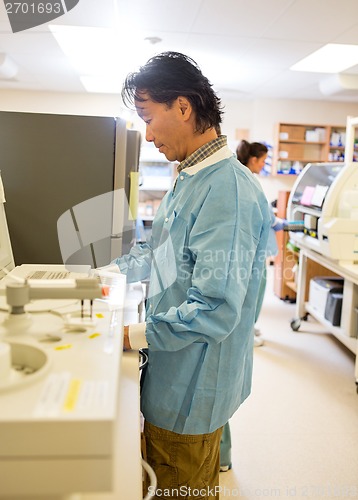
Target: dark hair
[(169, 75), (247, 150)]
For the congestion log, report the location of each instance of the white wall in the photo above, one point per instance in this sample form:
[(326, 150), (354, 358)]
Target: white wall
[(61, 103), (262, 115), (259, 116)]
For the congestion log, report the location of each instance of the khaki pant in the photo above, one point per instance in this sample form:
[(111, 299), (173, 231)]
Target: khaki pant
[(186, 466)]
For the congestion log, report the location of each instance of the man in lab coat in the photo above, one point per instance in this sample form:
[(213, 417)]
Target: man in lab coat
[(204, 261)]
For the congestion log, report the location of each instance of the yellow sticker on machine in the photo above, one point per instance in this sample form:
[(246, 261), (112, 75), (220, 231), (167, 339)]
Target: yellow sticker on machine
[(63, 347), (72, 395), (94, 335)]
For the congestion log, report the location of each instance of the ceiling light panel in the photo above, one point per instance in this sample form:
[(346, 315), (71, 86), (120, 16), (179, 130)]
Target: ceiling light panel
[(102, 54), (332, 58)]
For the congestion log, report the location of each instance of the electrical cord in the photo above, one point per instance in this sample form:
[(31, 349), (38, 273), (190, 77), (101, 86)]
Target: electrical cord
[(153, 480), (144, 357)]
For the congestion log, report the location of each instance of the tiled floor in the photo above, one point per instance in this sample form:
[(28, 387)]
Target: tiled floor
[(296, 436)]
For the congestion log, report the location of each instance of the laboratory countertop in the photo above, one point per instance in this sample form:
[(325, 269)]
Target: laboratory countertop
[(346, 269), (73, 425)]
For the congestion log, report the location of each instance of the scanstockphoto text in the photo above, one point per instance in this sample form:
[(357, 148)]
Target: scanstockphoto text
[(219, 264), (314, 491)]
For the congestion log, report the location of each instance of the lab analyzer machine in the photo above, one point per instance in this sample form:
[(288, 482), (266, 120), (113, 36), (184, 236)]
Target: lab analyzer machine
[(323, 206), (324, 199)]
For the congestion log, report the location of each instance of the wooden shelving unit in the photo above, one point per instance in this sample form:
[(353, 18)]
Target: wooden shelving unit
[(285, 260), (299, 144), (292, 285)]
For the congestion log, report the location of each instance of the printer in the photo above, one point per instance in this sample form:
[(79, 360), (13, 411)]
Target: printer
[(325, 198), (326, 297)]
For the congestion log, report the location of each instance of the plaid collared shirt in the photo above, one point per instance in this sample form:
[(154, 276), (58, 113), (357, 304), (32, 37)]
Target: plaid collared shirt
[(200, 154)]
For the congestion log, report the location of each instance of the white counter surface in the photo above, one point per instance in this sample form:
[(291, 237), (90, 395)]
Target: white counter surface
[(74, 426)]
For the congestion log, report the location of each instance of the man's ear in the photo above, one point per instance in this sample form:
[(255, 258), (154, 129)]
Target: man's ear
[(184, 106)]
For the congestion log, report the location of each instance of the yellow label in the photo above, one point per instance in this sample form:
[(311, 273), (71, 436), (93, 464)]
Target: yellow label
[(99, 315), (94, 335), (62, 347), (72, 395)]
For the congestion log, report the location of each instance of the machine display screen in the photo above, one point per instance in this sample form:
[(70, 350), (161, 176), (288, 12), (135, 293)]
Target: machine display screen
[(315, 181)]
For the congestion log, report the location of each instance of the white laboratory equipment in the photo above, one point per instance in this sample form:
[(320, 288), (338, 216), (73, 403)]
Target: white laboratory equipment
[(59, 392), (324, 200), (69, 399)]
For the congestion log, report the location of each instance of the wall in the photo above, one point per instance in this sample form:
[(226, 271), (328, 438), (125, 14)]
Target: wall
[(261, 116), (258, 116), (61, 103)]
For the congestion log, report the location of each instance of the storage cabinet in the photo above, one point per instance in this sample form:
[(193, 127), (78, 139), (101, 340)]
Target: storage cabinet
[(286, 259), (299, 144)]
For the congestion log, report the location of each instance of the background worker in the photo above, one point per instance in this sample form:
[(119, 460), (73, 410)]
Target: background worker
[(253, 155), (205, 260)]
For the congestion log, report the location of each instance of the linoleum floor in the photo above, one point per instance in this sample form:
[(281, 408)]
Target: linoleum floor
[(296, 436)]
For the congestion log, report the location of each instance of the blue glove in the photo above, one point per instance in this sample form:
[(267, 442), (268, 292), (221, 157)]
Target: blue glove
[(279, 224)]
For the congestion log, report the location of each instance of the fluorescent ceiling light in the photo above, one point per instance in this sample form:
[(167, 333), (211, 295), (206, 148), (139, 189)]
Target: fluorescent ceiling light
[(102, 54), (332, 58), (102, 85)]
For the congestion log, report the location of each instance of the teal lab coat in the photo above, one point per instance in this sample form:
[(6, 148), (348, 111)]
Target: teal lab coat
[(205, 261)]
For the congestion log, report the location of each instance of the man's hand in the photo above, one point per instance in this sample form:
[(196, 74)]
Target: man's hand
[(126, 343)]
